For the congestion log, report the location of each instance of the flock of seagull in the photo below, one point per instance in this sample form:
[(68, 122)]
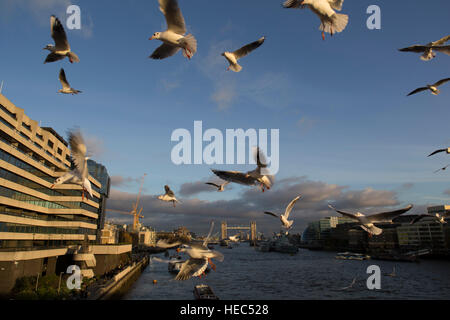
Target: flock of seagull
[(175, 39)]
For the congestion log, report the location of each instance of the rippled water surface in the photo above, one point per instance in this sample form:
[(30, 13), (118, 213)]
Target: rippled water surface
[(247, 274)]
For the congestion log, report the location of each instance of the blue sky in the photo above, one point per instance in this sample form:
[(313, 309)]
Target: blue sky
[(340, 104)]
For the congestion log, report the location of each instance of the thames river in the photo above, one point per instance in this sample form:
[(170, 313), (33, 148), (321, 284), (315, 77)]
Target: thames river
[(247, 274)]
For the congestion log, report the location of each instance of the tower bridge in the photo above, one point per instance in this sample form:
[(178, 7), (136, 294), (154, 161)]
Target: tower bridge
[(251, 227)]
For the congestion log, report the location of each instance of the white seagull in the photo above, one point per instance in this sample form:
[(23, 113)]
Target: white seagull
[(65, 84), (221, 187), (367, 222), (233, 57), (173, 38), (432, 87), (331, 22), (428, 49), (447, 150), (61, 49), (250, 178), (284, 217), (168, 196), (80, 173)]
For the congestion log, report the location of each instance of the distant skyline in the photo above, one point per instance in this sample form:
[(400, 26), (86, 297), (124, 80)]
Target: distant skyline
[(348, 133)]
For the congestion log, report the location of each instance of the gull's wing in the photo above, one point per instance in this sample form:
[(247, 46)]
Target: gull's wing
[(437, 151), (168, 191), (336, 4), (164, 51), (52, 57), (235, 176), (259, 157), (440, 41), (290, 206), (271, 213), (415, 48), (213, 184), (58, 34), (63, 79), (388, 216), (166, 245), (78, 151), (192, 267), (205, 242), (417, 90), (443, 49), (245, 50), (293, 4), (440, 82), (347, 214), (444, 168), (174, 18), (213, 254)]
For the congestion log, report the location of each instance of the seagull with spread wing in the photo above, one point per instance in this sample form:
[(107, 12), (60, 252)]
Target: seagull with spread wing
[(233, 57), (250, 178), (169, 196), (438, 217), (367, 223), (173, 38), (427, 50), (61, 49), (80, 173), (285, 216), (432, 87), (447, 150), (331, 22), (220, 187), (65, 84)]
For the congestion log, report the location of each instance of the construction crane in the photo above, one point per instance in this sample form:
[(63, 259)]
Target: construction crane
[(134, 212)]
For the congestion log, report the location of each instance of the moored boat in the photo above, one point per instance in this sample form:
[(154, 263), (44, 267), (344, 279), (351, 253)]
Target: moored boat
[(204, 292)]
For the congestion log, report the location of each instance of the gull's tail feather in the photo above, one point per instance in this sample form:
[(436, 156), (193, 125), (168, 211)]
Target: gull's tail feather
[(73, 57), (372, 230), (235, 67), (337, 24), (189, 44)]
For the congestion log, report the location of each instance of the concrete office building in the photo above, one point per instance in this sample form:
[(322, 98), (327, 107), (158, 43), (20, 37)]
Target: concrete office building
[(42, 228)]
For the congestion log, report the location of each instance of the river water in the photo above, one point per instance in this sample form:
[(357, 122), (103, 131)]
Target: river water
[(247, 274)]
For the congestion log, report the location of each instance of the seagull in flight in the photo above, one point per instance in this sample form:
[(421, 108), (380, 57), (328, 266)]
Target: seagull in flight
[(220, 188), (174, 37), (433, 87), (250, 178), (367, 223), (65, 84), (350, 286), (428, 49), (442, 169), (284, 217), (80, 173), (168, 196), (331, 22), (439, 151), (61, 49), (233, 57)]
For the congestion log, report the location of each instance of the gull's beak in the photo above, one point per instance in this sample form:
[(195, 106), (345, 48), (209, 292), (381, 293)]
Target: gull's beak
[(151, 38), (178, 250)]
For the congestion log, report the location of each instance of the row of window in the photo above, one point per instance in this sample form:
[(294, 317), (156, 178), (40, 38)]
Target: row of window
[(21, 228), (9, 113), (22, 213), (19, 196)]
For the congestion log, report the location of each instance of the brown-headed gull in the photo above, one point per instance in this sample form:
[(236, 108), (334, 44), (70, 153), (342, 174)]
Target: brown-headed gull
[(173, 38), (233, 57), (65, 84), (428, 49), (169, 196), (284, 217), (446, 150), (61, 49), (80, 174), (432, 87), (220, 188), (367, 223), (331, 22)]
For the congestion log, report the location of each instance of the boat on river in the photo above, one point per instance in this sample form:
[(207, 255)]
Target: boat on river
[(279, 243), (352, 256), (204, 292)]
